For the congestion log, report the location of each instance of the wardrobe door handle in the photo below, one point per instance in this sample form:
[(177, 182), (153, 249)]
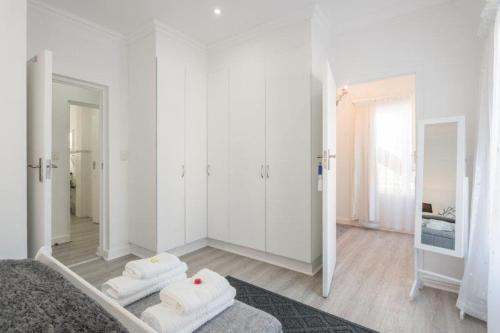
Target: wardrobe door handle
[(183, 171), (262, 171), (208, 169), (267, 171)]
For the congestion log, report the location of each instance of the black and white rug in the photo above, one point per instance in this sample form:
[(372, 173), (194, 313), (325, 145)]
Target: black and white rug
[(294, 316)]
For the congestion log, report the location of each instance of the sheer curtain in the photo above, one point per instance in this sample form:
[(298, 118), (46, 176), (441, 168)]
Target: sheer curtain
[(384, 182), (484, 219)]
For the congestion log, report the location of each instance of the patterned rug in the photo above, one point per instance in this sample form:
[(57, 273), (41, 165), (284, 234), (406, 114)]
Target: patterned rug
[(294, 316)]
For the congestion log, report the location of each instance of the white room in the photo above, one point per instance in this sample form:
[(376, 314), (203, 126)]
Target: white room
[(251, 166)]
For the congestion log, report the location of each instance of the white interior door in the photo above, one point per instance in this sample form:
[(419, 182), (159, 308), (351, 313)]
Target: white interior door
[(39, 139), (96, 164), (329, 180)]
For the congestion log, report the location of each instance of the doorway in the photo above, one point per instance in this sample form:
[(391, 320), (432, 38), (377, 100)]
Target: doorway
[(375, 155), (77, 181)]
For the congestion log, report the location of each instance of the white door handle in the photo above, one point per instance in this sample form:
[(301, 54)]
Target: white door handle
[(183, 171), (267, 171), (262, 171)]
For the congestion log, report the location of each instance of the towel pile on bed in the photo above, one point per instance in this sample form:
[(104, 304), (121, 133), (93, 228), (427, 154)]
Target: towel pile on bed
[(189, 303), (144, 277)]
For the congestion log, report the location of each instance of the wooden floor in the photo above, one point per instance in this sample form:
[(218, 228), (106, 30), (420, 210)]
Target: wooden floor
[(83, 245), (372, 281)]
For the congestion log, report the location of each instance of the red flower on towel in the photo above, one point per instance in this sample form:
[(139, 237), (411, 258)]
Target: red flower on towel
[(197, 281)]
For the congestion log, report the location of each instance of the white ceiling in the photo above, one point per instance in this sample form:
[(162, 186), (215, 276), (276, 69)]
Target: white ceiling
[(196, 19)]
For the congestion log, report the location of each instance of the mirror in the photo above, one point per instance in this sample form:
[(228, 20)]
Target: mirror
[(441, 185)]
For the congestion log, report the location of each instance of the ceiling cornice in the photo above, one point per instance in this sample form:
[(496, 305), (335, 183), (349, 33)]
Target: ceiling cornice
[(178, 35), (157, 27), (43, 7), (385, 20), (306, 13)]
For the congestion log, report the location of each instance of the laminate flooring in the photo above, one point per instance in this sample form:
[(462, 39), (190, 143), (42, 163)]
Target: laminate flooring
[(83, 245), (372, 281)]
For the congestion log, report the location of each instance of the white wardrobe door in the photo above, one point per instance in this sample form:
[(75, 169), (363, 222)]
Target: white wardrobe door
[(218, 155), (288, 155), (170, 146), (196, 154), (247, 156)]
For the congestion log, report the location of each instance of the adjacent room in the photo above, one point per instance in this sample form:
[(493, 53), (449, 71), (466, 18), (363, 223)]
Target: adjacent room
[(263, 166), (76, 189)]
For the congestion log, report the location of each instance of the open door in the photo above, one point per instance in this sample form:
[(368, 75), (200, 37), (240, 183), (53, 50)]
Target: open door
[(329, 180), (39, 138)]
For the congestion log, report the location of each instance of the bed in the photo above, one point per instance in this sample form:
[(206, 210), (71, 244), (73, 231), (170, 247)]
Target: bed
[(43, 295), (438, 230)]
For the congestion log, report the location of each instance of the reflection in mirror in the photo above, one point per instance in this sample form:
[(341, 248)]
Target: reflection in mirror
[(439, 185)]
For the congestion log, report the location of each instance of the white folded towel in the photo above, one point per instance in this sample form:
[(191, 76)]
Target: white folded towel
[(151, 267), (124, 301), (165, 319), (125, 288), (186, 297)]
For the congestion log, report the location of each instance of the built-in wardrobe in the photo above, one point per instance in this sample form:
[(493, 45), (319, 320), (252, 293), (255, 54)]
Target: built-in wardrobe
[(264, 136), (237, 132), (167, 143)]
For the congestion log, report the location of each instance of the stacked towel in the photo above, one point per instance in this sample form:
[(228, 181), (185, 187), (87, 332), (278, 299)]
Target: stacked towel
[(187, 297), (165, 319), (151, 267), (126, 289), (189, 303)]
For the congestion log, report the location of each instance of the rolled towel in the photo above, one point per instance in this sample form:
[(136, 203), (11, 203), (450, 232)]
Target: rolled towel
[(165, 319), (187, 296), (151, 267), (124, 286)]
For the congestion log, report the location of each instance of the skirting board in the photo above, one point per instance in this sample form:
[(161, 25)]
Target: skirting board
[(61, 239), (178, 251), (291, 264), (439, 281), (345, 220), (116, 253)]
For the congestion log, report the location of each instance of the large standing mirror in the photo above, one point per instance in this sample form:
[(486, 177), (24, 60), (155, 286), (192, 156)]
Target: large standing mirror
[(441, 224)]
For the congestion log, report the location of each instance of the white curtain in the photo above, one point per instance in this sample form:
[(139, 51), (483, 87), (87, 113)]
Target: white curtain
[(484, 218), (384, 182)]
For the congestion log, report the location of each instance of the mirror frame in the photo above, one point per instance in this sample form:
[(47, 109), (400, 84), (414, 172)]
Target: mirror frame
[(461, 195)]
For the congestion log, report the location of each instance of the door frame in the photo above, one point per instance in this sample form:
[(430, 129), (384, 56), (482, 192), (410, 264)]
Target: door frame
[(104, 153)]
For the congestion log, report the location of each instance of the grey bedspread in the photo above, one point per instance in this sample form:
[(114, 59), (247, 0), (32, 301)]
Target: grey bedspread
[(35, 298), (440, 238), (238, 318)]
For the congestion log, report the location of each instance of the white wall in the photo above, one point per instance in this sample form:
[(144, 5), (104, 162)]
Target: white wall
[(439, 44), (61, 95), (87, 52), (13, 234), (142, 142)]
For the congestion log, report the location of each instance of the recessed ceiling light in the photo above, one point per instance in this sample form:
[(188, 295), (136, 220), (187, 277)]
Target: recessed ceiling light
[(217, 11)]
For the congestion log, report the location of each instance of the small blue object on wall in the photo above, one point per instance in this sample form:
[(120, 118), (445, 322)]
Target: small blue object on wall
[(320, 169)]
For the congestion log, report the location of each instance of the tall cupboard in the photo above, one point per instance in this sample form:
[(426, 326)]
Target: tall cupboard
[(260, 151), (169, 208)]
